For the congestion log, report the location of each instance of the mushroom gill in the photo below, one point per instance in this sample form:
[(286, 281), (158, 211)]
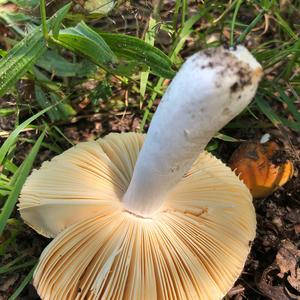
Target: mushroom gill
[(143, 217), (194, 247)]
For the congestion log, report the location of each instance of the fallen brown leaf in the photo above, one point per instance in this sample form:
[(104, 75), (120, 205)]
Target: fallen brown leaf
[(287, 259)]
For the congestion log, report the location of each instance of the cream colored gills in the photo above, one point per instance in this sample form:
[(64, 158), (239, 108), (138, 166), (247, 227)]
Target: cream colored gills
[(211, 88)]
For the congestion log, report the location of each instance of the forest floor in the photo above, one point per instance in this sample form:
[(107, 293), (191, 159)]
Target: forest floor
[(272, 270)]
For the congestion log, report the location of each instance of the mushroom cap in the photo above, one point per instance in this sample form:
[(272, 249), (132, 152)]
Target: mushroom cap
[(194, 247), (256, 164)]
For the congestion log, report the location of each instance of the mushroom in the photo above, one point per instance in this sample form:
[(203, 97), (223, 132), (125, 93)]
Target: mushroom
[(155, 216), (262, 166)]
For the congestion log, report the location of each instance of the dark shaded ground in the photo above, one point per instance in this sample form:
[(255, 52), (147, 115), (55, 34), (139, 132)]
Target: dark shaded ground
[(272, 270)]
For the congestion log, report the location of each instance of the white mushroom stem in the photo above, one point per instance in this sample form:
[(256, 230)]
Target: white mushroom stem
[(210, 89)]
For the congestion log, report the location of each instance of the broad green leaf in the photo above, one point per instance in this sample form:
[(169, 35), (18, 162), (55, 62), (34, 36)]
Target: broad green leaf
[(133, 49), (105, 48), (20, 59), (12, 20), (102, 7), (44, 80), (59, 66), (13, 196), (23, 55), (88, 42), (25, 3), (59, 111), (212, 145)]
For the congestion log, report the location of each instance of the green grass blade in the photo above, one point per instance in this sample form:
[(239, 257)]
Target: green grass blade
[(176, 13), (20, 288), (4, 112), (150, 103), (9, 269), (233, 22), (44, 18), (13, 262), (13, 196), (13, 136), (42, 100), (10, 166), (244, 34), (290, 104), (285, 26), (273, 117), (226, 138), (149, 39), (63, 135), (267, 110), (186, 32)]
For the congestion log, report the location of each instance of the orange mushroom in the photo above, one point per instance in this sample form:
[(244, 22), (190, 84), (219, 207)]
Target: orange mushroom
[(260, 167)]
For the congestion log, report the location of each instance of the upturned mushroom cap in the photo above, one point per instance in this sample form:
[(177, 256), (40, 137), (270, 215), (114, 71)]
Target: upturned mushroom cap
[(194, 247), (150, 220)]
